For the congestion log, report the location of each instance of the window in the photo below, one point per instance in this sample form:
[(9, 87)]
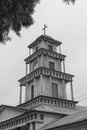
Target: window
[(50, 48), (35, 65), (41, 117), (35, 116), (31, 117), (55, 90), (37, 48), (32, 92), (33, 126), (52, 65), (27, 127)]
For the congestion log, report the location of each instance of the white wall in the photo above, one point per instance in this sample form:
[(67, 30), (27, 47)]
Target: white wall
[(47, 87)]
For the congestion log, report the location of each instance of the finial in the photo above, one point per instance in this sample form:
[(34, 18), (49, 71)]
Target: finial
[(45, 26)]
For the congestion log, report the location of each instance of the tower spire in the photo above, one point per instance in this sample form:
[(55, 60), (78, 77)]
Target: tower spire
[(45, 26)]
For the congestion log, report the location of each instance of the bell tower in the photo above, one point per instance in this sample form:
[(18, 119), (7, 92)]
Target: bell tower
[(45, 71), (45, 84)]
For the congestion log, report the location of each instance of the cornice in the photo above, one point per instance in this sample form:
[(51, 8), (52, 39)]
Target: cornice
[(45, 38), (45, 52), (47, 72)]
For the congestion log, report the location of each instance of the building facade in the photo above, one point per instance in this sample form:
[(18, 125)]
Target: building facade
[(45, 85)]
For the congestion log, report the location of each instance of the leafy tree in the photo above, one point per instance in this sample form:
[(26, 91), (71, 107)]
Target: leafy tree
[(68, 1), (15, 14)]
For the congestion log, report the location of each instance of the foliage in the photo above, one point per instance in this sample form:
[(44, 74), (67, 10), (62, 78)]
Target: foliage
[(68, 1), (15, 14)]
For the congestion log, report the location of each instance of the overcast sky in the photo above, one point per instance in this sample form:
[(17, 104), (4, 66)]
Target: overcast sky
[(67, 24)]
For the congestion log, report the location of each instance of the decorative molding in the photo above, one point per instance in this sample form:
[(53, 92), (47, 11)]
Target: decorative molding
[(49, 101), (45, 52), (47, 72), (44, 38)]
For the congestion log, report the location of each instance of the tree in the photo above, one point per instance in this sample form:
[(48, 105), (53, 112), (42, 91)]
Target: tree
[(68, 1), (15, 14)]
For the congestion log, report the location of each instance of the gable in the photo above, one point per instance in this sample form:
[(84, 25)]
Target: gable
[(8, 113)]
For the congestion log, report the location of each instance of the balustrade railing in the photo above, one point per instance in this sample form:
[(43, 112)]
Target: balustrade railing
[(47, 72), (20, 121), (46, 52), (49, 100)]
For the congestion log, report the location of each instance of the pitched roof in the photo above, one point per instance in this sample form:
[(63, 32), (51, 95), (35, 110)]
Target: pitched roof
[(55, 109), (76, 117), (46, 38), (2, 107), (9, 112)]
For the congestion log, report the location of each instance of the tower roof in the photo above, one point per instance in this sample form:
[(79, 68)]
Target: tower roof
[(45, 38)]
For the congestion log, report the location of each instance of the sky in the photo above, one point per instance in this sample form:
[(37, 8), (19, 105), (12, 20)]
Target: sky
[(66, 23)]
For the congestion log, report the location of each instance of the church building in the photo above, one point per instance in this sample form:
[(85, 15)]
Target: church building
[(46, 105)]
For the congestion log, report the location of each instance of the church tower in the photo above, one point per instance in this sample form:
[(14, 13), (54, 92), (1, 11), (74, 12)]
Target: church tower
[(45, 72), (45, 86), (45, 82)]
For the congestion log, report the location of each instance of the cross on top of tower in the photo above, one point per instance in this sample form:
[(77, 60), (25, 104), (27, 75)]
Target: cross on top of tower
[(45, 26)]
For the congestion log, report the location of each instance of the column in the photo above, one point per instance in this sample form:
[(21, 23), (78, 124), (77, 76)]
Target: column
[(29, 51), (41, 84), (26, 75), (26, 95), (42, 60), (72, 96), (64, 90), (60, 49), (35, 92), (26, 69), (60, 63), (47, 62), (51, 84), (20, 99), (64, 66), (28, 126), (33, 126), (26, 83), (18, 128)]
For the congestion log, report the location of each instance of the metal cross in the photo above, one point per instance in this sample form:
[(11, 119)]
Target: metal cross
[(45, 26)]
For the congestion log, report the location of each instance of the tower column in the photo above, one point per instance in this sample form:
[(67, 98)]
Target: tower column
[(28, 126), (64, 66), (26, 69), (60, 49), (41, 84), (35, 87), (26, 84), (29, 51), (64, 90), (72, 96), (51, 83), (20, 98), (42, 60)]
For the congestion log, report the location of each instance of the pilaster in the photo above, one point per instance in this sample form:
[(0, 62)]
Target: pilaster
[(41, 84), (72, 95), (64, 66), (20, 98)]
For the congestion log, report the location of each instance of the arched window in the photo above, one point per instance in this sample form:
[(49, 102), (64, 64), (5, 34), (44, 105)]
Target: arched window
[(35, 65)]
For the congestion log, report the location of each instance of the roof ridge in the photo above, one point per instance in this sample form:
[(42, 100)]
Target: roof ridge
[(8, 106)]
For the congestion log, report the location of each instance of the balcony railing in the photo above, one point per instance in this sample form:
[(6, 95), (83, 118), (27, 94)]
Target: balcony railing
[(21, 120), (45, 52), (47, 72), (58, 102)]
